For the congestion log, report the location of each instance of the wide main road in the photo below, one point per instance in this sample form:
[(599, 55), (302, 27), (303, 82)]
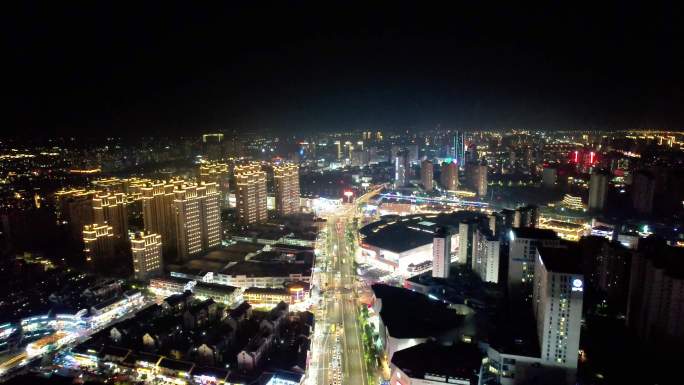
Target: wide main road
[(341, 310)]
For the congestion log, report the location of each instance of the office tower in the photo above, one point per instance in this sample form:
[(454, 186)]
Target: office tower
[(459, 149), (198, 218), (598, 187), (213, 146), (449, 176), (655, 310), (441, 252), (159, 214), (465, 242), (75, 210), (286, 178), (485, 255), (526, 216), (477, 178), (401, 168), (98, 241), (111, 209), (426, 174), (549, 177), (250, 194), (557, 306), (217, 173), (146, 249), (522, 249), (643, 190)]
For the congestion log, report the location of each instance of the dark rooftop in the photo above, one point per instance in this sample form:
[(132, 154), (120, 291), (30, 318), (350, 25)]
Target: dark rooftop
[(533, 233), (182, 366), (561, 259), (458, 361), (408, 314)]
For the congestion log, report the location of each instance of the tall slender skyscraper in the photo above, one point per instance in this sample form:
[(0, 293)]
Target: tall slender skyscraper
[(250, 194), (217, 173), (426, 174), (286, 178), (459, 148), (146, 250), (598, 188), (401, 168)]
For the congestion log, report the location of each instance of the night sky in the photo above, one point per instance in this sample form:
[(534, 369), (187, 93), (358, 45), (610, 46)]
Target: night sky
[(130, 68)]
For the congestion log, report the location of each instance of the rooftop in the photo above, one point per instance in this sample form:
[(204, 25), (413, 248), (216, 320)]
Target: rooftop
[(561, 259), (533, 233), (458, 361)]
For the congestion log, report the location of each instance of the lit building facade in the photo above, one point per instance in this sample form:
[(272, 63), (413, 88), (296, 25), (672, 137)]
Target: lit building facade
[(449, 176), (198, 218), (146, 250), (286, 178), (158, 213), (426, 175), (522, 252), (441, 253), (218, 173), (250, 194), (98, 241), (110, 208), (485, 259)]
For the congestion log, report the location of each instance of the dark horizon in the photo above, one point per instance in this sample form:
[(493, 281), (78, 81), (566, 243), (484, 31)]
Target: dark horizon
[(103, 70)]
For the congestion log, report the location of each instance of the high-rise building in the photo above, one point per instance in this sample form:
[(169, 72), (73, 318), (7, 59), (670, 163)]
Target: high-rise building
[(426, 174), (526, 216), (146, 250), (401, 168), (250, 194), (75, 210), (523, 244), (198, 218), (159, 214), (213, 146), (485, 255), (459, 148), (287, 194), (218, 173), (643, 190), (598, 188), (549, 177), (449, 176), (655, 310), (441, 253), (466, 231), (477, 178), (557, 307), (111, 209), (98, 241)]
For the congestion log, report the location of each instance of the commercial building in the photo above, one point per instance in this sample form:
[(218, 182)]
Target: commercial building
[(426, 175), (286, 178), (441, 253), (485, 255), (169, 286), (449, 176), (643, 190), (98, 241), (569, 231), (557, 307), (215, 172), (572, 202), (250, 194), (523, 245), (146, 250), (598, 188)]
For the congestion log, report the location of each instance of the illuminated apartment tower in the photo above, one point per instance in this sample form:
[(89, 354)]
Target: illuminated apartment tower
[(146, 249), (75, 210), (441, 253), (449, 176), (426, 174), (557, 306), (98, 241), (159, 214), (198, 218), (111, 209), (217, 173), (286, 177), (250, 194)]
